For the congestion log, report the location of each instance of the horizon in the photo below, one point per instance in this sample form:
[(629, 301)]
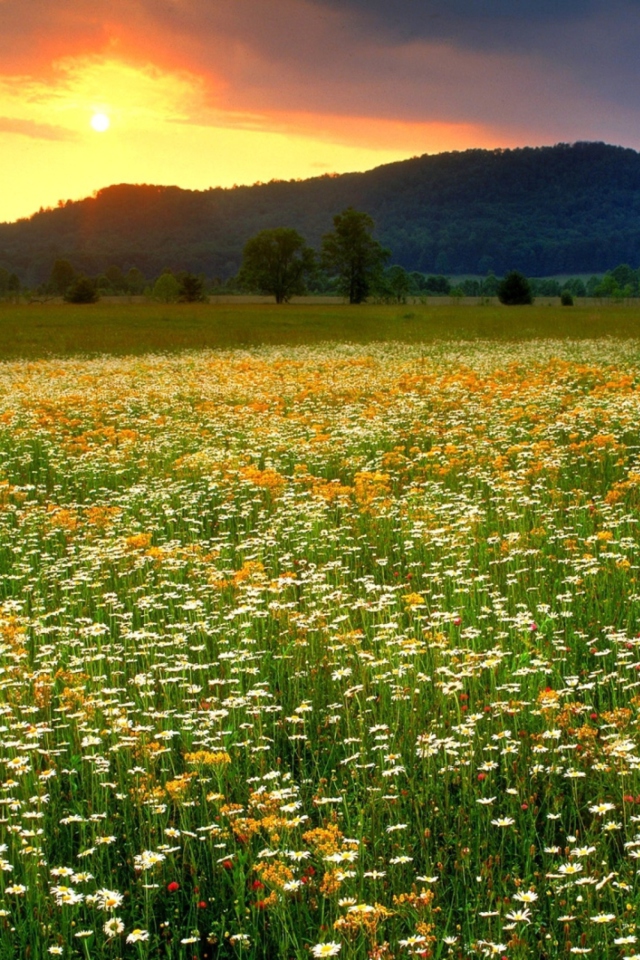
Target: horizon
[(261, 183), (238, 92)]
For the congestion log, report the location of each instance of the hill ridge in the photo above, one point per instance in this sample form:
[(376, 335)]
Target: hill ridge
[(568, 208)]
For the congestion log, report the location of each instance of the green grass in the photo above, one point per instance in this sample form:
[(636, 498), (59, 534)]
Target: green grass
[(39, 330), (321, 650)]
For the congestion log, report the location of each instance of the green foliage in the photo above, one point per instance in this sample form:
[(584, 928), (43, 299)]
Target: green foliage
[(9, 284), (438, 285), (460, 213), (136, 281), (490, 286), (547, 287), (618, 284), (566, 298), (277, 262), (82, 290), (515, 289), (61, 278), (393, 285), (352, 255), (166, 289), (191, 289)]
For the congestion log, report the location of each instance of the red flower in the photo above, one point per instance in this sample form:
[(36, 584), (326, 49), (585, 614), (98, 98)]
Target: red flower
[(257, 885), (173, 886), (227, 864), (202, 904)]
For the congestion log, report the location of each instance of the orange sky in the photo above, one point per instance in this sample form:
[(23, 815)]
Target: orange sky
[(202, 93)]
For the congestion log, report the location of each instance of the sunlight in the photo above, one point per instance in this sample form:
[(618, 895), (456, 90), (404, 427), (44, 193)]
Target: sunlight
[(100, 122)]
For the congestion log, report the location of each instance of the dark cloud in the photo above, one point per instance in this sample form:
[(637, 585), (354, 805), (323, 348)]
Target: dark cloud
[(493, 24), (538, 71)]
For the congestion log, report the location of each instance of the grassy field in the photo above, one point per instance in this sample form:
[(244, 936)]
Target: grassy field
[(314, 650), (35, 330)]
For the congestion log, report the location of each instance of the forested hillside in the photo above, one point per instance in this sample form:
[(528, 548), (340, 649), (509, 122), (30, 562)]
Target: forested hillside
[(547, 210)]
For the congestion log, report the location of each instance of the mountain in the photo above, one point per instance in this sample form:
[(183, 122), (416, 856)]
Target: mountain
[(571, 208)]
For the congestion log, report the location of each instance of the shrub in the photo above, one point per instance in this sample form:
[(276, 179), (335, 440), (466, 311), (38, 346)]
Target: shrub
[(191, 289), (515, 289), (566, 298), (82, 290), (166, 288)]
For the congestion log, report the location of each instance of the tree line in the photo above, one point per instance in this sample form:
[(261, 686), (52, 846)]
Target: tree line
[(351, 263), (570, 209)]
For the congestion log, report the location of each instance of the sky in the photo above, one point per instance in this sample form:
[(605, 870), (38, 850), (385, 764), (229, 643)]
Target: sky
[(203, 93)]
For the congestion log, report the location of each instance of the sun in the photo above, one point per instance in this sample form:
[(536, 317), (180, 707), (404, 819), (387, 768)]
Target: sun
[(100, 122)]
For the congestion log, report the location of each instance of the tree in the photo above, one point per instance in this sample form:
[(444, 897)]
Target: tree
[(166, 288), (438, 285), (277, 262), (191, 289), (393, 285), (515, 289), (82, 290), (352, 254), (608, 287), (135, 281), (62, 276), (115, 279), (490, 285), (625, 277)]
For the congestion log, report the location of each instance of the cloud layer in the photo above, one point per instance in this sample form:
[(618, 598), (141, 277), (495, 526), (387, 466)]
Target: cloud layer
[(412, 76), (469, 61)]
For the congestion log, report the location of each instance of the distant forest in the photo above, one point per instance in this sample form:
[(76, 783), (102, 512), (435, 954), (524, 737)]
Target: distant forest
[(567, 209)]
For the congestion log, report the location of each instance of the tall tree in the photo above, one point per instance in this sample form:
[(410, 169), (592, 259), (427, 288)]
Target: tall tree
[(277, 262), (350, 253)]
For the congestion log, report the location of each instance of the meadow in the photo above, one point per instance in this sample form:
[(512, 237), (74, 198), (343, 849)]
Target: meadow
[(321, 649), (55, 329)]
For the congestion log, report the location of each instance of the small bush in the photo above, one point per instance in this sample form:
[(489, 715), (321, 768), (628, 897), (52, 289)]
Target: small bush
[(191, 289), (566, 298), (515, 289), (82, 290)]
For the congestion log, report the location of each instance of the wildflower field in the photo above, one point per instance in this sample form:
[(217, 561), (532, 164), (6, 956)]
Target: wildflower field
[(318, 651)]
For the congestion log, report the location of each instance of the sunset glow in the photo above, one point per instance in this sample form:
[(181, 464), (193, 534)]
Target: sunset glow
[(100, 122), (239, 92)]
